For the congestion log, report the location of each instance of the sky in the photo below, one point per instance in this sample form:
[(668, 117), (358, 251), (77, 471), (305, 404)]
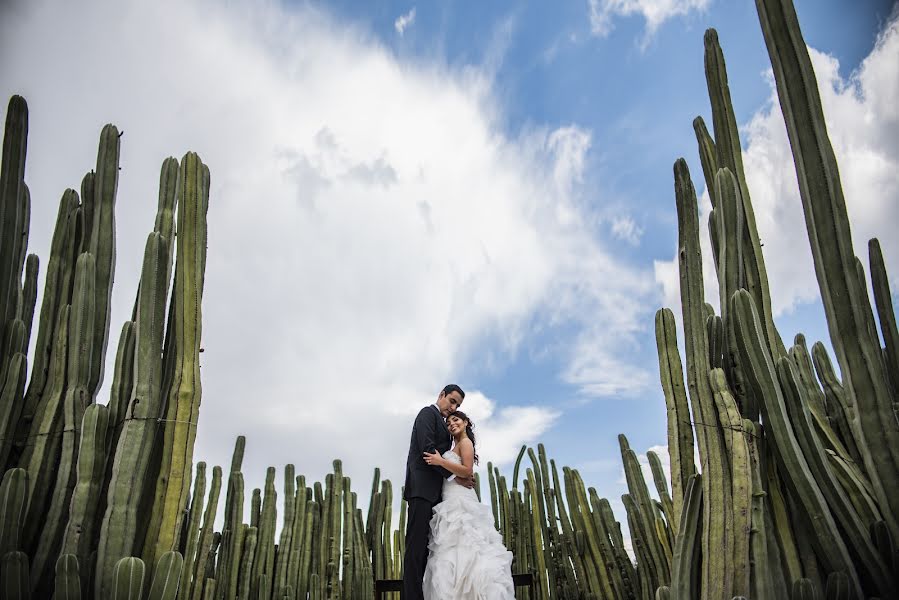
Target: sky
[(409, 194)]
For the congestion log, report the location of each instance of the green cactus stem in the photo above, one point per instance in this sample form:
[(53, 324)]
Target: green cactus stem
[(248, 554), (14, 576), (127, 579), (192, 533), (685, 568), (13, 492), (100, 232), (184, 393), (11, 397), (197, 574), (832, 551), (12, 198), (38, 457), (67, 582), (166, 576), (118, 532), (680, 430), (79, 538), (717, 573), (885, 313), (858, 354)]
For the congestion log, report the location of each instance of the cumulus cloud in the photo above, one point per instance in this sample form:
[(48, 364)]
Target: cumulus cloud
[(626, 229), (372, 230), (863, 123), (405, 21), (501, 432), (654, 12)]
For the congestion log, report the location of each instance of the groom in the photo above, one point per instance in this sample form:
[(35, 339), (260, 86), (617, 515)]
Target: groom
[(424, 484)]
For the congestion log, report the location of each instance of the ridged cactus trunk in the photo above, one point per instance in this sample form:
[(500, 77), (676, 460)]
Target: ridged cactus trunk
[(184, 390), (119, 529), (844, 296), (792, 503)]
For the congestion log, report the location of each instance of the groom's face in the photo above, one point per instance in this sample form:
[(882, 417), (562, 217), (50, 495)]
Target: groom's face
[(447, 403)]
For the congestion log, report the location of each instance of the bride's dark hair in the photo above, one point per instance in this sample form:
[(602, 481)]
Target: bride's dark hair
[(469, 430)]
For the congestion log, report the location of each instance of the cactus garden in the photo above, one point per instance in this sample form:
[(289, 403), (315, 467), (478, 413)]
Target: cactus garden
[(795, 494)]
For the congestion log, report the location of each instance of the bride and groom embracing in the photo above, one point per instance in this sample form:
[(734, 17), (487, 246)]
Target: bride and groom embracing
[(453, 551)]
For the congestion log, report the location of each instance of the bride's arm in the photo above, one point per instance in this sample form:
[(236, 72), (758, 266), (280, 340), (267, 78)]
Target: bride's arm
[(466, 450)]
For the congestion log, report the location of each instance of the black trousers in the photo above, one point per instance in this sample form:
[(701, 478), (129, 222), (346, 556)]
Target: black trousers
[(418, 529)]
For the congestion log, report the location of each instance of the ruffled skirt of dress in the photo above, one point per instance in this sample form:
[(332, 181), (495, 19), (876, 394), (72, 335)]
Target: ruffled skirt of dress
[(467, 559)]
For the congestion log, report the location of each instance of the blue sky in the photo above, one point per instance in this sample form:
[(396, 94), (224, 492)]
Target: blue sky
[(479, 193)]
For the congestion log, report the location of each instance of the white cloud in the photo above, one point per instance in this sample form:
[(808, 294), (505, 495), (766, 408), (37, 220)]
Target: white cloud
[(371, 228), (405, 21), (626, 229), (500, 433), (862, 115), (655, 12)]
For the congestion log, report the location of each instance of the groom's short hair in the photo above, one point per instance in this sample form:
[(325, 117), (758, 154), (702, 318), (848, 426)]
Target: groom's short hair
[(453, 388)]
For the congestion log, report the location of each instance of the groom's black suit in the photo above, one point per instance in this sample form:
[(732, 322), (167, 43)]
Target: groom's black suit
[(423, 489)]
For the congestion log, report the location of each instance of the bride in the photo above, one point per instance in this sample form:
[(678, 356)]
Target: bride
[(466, 559)]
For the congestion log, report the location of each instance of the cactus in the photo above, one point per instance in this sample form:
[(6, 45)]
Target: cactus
[(196, 574), (38, 457), (887, 316), (837, 587), (11, 395), (14, 576), (754, 276), (12, 209), (248, 554), (119, 528), (717, 573), (685, 575), (80, 532), (644, 513), (858, 354), (12, 509), (184, 391), (192, 532), (77, 397), (67, 582), (100, 233), (166, 576), (680, 432), (833, 551), (127, 580)]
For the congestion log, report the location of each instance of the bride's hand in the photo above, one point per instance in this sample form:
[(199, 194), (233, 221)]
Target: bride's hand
[(433, 459)]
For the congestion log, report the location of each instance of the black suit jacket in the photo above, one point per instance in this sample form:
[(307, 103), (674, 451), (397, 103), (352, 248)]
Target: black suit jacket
[(429, 433)]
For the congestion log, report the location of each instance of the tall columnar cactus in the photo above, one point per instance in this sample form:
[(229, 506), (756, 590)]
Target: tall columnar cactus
[(79, 538), (184, 391), (39, 456), (729, 156), (67, 579), (127, 581), (14, 576), (680, 430), (858, 352), (100, 224), (13, 493), (77, 397), (166, 576), (717, 573), (12, 210), (12, 392), (194, 576), (886, 314), (119, 527), (832, 549)]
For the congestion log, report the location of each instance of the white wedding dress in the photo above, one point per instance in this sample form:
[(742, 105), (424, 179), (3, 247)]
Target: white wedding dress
[(466, 559)]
